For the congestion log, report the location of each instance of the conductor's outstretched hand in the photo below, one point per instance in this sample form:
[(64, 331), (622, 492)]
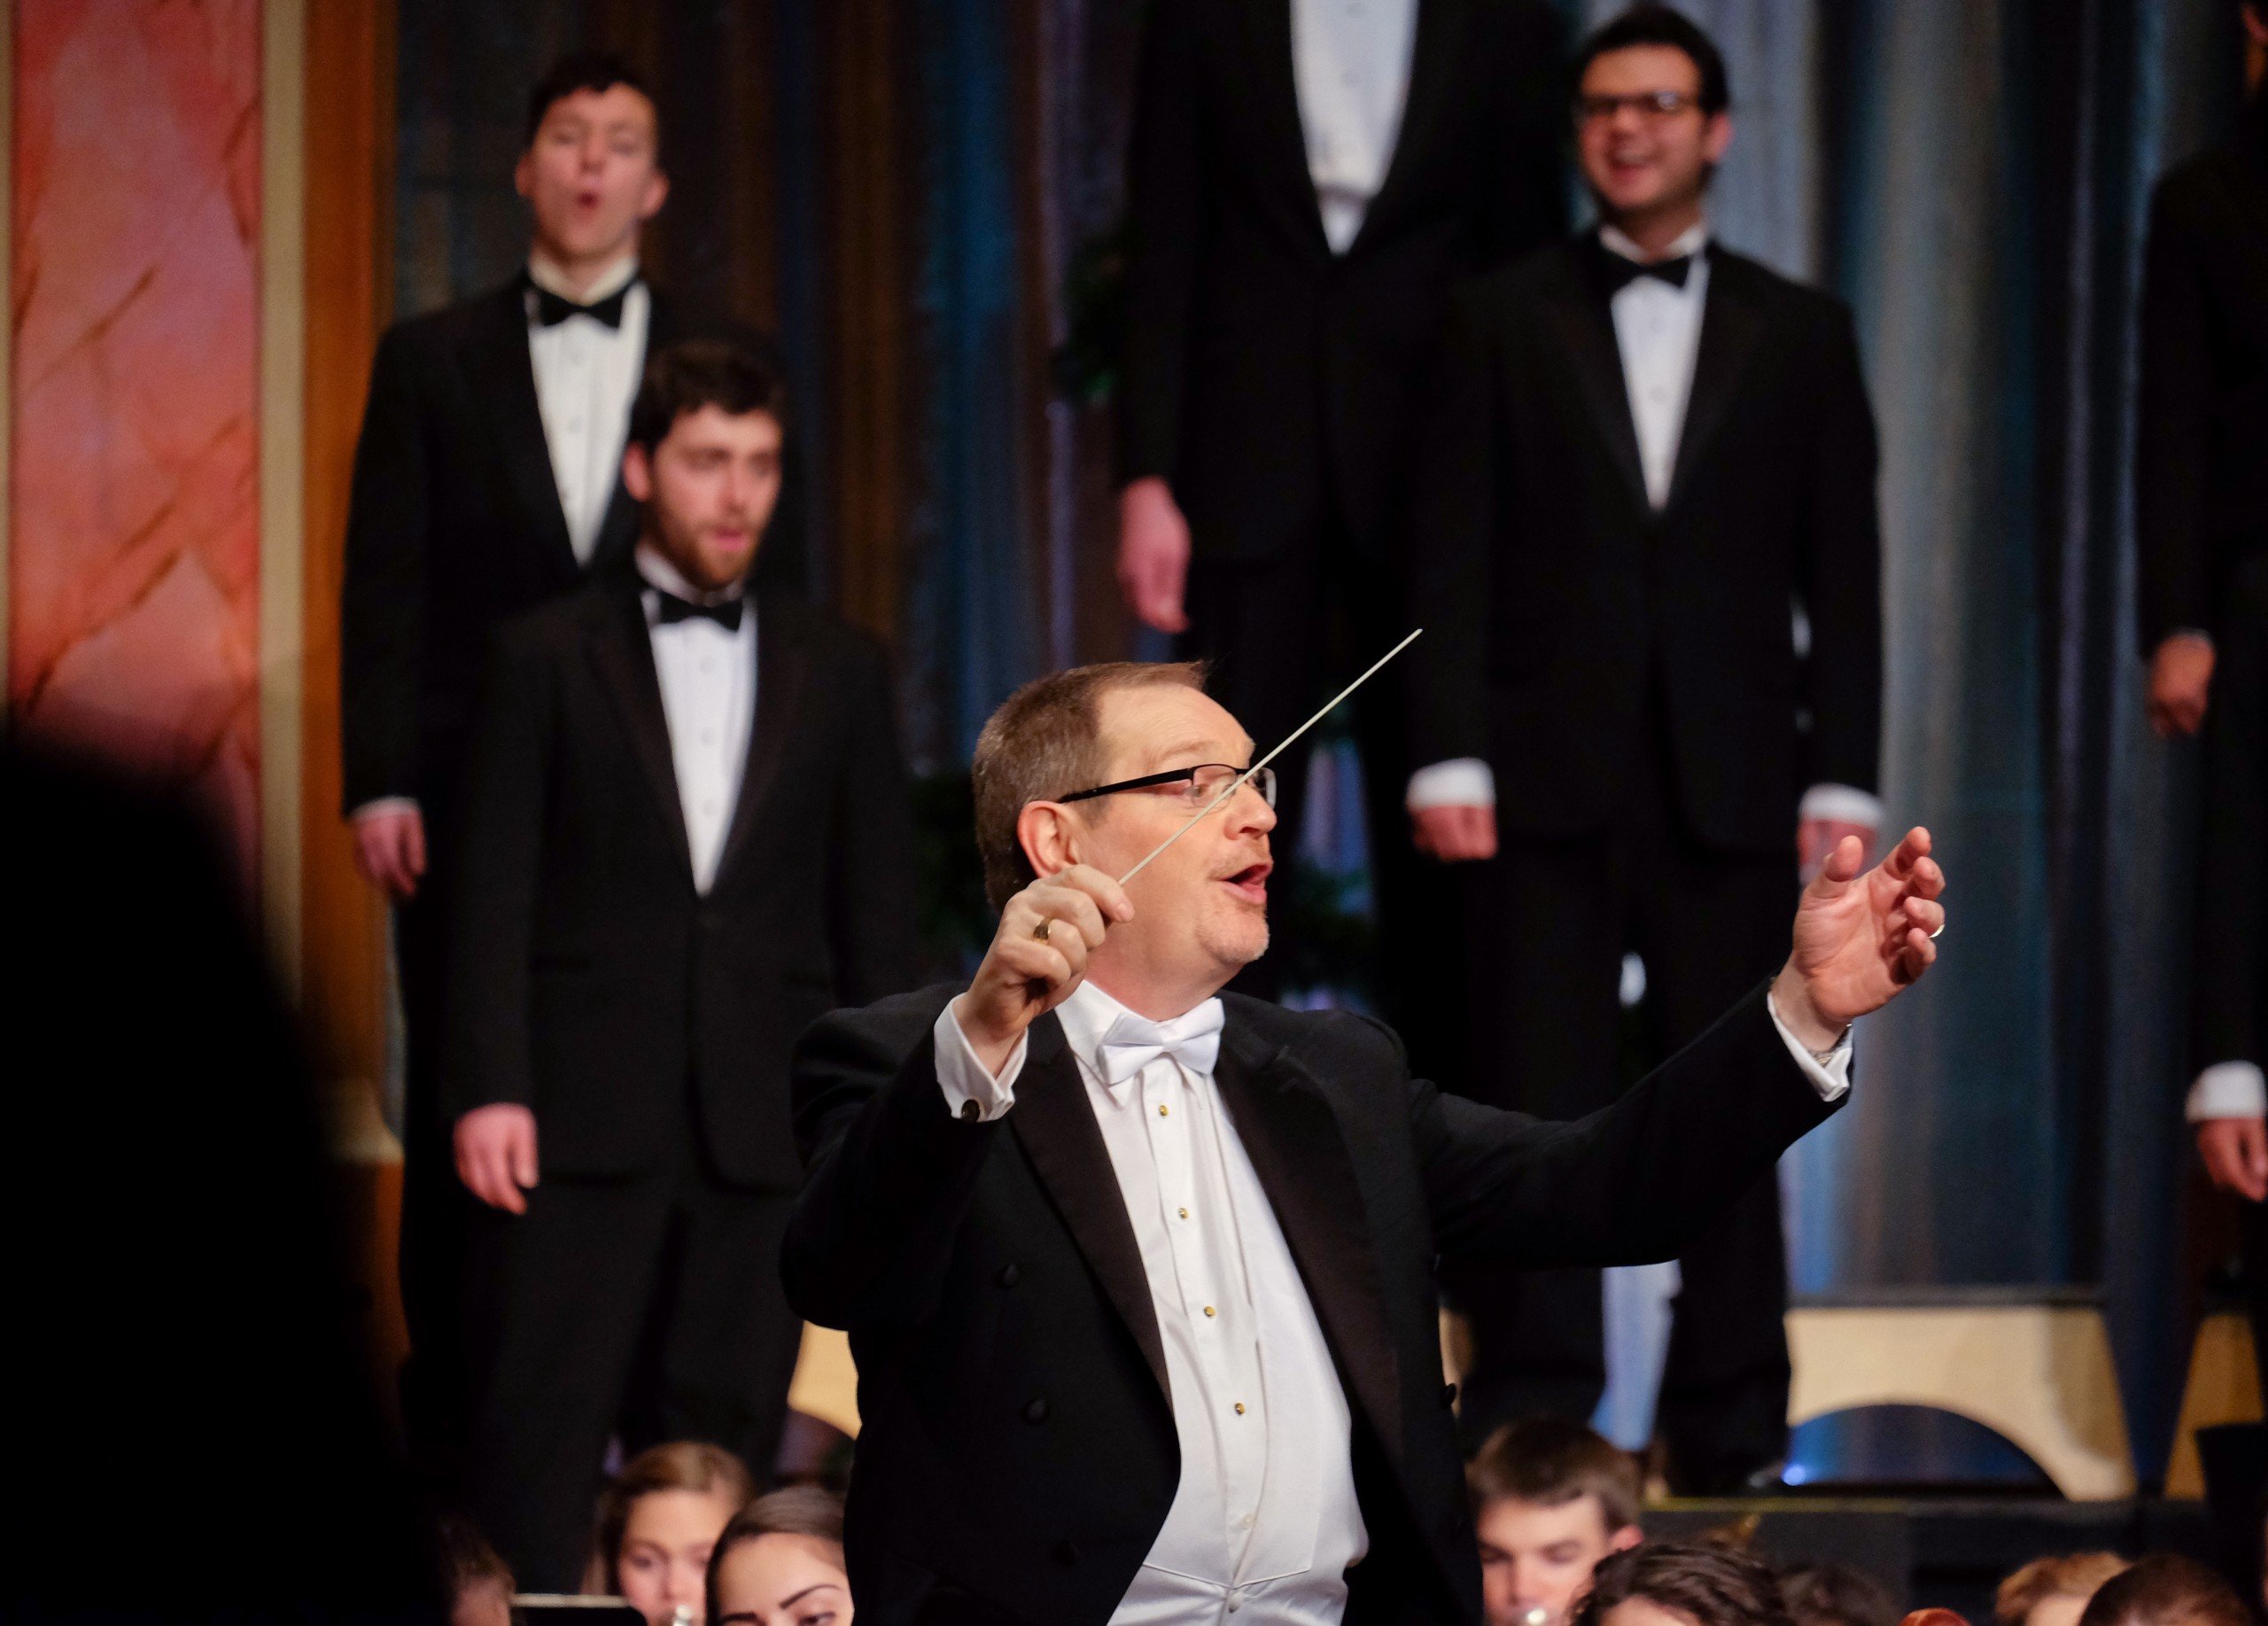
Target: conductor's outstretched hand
[(1037, 957), (1859, 939)]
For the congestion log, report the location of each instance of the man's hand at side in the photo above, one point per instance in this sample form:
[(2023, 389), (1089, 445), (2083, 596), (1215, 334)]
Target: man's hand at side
[(1025, 975), (2181, 675), (2235, 1151), (496, 1154), (1859, 939), (389, 849), (1454, 833), (1153, 554)]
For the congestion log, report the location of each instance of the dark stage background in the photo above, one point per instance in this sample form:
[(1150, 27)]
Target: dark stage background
[(919, 196)]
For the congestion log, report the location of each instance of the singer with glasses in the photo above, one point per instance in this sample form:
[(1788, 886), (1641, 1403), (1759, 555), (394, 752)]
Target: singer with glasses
[(1141, 1276)]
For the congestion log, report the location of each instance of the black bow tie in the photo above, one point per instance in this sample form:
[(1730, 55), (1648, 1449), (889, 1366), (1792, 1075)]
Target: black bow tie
[(1621, 271), (551, 309), (725, 612)]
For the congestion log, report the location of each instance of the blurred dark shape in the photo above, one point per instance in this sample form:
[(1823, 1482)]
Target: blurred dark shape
[(2235, 1457), (173, 1274), (954, 921), (1086, 366), (1836, 1595)]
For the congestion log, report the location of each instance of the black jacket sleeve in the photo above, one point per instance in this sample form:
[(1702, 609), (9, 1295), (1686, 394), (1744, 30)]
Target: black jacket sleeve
[(2172, 437), (871, 883), (1839, 569), (891, 1172), (1447, 540), (487, 1055), (1165, 212), (381, 609), (1632, 1183)]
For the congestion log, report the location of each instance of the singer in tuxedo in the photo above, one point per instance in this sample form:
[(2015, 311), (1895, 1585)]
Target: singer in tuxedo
[(1140, 1277), (687, 834), (2201, 553), (1306, 181), (1645, 544), (486, 480)]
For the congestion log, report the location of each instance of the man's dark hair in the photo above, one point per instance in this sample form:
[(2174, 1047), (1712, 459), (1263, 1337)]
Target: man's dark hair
[(704, 372), (1710, 1583), (2165, 1589), (1836, 1595), (1648, 24), (586, 70), (1552, 1461)]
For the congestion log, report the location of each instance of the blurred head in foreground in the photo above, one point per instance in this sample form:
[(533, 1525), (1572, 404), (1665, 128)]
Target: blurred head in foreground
[(2164, 1588), (658, 1522), (2053, 1591), (1836, 1595), (1682, 1584), (779, 1563), (1551, 1498)]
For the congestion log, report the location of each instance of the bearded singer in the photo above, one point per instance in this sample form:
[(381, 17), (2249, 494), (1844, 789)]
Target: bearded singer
[(1140, 1277)]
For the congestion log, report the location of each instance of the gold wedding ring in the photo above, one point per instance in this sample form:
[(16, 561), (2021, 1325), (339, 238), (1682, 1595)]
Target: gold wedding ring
[(1039, 932)]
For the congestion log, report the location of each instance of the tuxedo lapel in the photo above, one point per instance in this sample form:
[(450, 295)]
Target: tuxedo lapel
[(781, 663), (1058, 1130), (1578, 315), (619, 531), (1432, 67), (1299, 1153), (503, 381), (622, 652), (1730, 326), (1268, 34)]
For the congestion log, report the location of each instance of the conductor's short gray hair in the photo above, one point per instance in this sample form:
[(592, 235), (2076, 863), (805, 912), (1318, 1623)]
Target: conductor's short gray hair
[(1045, 741)]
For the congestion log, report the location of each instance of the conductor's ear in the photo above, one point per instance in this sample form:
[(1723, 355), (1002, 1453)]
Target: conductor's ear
[(1044, 831)]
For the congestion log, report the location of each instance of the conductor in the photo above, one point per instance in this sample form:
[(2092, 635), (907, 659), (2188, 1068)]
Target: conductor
[(1140, 1277)]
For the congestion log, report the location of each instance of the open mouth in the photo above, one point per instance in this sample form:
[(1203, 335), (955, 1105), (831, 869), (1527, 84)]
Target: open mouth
[(1251, 883)]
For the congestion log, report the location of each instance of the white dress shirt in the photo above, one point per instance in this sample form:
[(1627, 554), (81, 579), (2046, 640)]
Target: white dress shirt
[(708, 678), (1658, 330), (1265, 1521), (1350, 69), (585, 377)]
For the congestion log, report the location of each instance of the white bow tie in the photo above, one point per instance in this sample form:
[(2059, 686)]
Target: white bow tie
[(1193, 1039)]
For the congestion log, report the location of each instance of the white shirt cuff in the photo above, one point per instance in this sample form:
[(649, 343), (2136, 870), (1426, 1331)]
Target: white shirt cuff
[(1462, 781), (2228, 1090), (1831, 1077), (1843, 803), (962, 1076), (384, 804)]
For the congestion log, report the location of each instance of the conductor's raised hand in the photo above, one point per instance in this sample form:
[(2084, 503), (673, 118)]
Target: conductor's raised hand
[(1859, 939), (1037, 957)]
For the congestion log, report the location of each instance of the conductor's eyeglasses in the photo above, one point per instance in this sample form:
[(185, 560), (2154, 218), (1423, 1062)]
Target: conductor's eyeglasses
[(1197, 786), (1651, 105)]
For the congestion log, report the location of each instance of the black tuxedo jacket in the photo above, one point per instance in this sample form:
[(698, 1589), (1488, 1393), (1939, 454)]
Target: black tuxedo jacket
[(1558, 604), (455, 525), (2202, 432), (1264, 375), (1019, 1456), (591, 981)]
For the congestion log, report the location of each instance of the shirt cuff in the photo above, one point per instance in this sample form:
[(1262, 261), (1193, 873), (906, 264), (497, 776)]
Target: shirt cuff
[(384, 804), (2228, 1090), (1831, 1077), (1462, 781), (1843, 803), (964, 1079)]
